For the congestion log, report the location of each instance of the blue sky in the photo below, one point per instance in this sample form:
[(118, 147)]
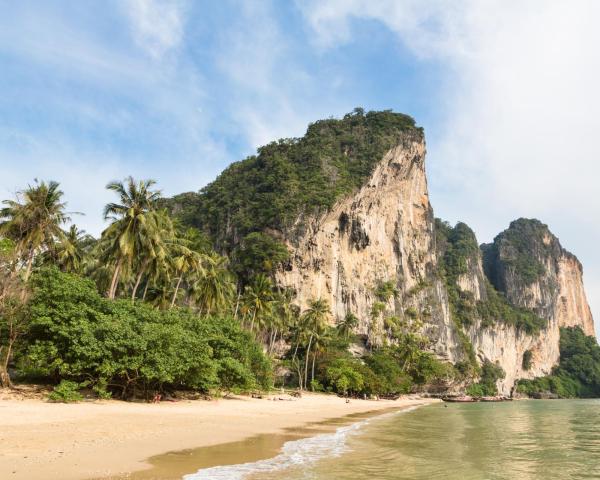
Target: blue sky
[(507, 93)]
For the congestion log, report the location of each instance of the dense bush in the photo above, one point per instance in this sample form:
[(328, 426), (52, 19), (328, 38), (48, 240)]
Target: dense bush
[(384, 372), (487, 385), (66, 391), (76, 334)]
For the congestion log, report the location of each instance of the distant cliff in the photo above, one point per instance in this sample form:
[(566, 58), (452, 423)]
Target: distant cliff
[(350, 202)]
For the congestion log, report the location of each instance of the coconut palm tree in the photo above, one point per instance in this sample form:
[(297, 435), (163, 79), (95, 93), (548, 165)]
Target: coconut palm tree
[(258, 297), (346, 325), (132, 224), (314, 319), (154, 248), (186, 261), (214, 289), (33, 220), (69, 251)]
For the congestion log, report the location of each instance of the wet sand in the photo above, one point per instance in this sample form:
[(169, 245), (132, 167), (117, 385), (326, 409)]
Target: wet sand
[(112, 439)]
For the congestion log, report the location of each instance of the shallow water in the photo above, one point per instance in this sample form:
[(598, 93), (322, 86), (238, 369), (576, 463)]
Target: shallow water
[(512, 440)]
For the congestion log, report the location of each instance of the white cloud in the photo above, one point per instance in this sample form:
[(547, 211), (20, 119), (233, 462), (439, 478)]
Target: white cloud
[(96, 110), (157, 24), (520, 112), (270, 89)]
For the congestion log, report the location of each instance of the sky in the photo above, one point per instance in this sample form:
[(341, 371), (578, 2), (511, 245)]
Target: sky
[(508, 93)]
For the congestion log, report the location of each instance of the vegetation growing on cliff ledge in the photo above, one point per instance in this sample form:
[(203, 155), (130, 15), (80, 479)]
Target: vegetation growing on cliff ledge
[(460, 257), (519, 248), (578, 372), (293, 177)]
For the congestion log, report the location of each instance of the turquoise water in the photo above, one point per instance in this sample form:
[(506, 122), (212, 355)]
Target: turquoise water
[(512, 440)]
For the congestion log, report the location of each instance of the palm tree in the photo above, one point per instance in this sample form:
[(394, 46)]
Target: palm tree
[(346, 325), (132, 223), (70, 250), (214, 289), (33, 221), (154, 248), (314, 319), (258, 297), (186, 261)]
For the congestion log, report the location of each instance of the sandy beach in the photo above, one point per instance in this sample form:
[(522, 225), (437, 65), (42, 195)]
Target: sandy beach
[(108, 439)]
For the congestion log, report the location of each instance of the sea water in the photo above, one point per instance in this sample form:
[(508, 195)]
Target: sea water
[(533, 439)]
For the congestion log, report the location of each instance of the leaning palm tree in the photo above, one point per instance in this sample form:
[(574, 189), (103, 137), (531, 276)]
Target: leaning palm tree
[(33, 220), (314, 319), (185, 262), (130, 226)]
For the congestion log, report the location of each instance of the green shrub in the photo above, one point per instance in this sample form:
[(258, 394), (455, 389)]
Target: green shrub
[(345, 377), (76, 334), (487, 386), (66, 391)]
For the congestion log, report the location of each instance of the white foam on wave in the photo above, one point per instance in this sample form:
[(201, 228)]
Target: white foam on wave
[(301, 452)]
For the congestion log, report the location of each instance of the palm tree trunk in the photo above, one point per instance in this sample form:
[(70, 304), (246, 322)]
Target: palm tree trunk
[(296, 349), (176, 290), (29, 265), (313, 369), (237, 304), (137, 282), (115, 279), (306, 362), (145, 291), (253, 318)]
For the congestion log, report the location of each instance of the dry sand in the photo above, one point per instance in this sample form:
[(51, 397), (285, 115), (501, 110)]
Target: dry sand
[(103, 439)]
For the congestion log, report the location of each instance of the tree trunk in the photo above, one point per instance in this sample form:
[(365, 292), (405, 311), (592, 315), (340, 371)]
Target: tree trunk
[(137, 282), (145, 290), (296, 349), (115, 279), (29, 265), (5, 351), (237, 304), (313, 369), (306, 362), (176, 290), (253, 318)]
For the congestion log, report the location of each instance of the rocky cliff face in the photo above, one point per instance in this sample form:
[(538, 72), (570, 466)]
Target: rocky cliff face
[(385, 232)]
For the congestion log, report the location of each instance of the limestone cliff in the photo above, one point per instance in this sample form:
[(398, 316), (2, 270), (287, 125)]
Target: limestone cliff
[(386, 231)]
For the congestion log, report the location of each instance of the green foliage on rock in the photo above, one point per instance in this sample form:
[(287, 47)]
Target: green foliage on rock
[(521, 249), (496, 308), (578, 373), (293, 177), (258, 253), (527, 360), (487, 385), (461, 252)]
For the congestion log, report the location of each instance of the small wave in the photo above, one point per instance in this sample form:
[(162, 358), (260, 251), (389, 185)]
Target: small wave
[(301, 452)]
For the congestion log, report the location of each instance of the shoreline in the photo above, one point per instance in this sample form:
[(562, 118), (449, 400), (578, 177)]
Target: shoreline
[(114, 439)]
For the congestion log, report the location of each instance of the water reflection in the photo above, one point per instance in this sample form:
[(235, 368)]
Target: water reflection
[(530, 440)]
